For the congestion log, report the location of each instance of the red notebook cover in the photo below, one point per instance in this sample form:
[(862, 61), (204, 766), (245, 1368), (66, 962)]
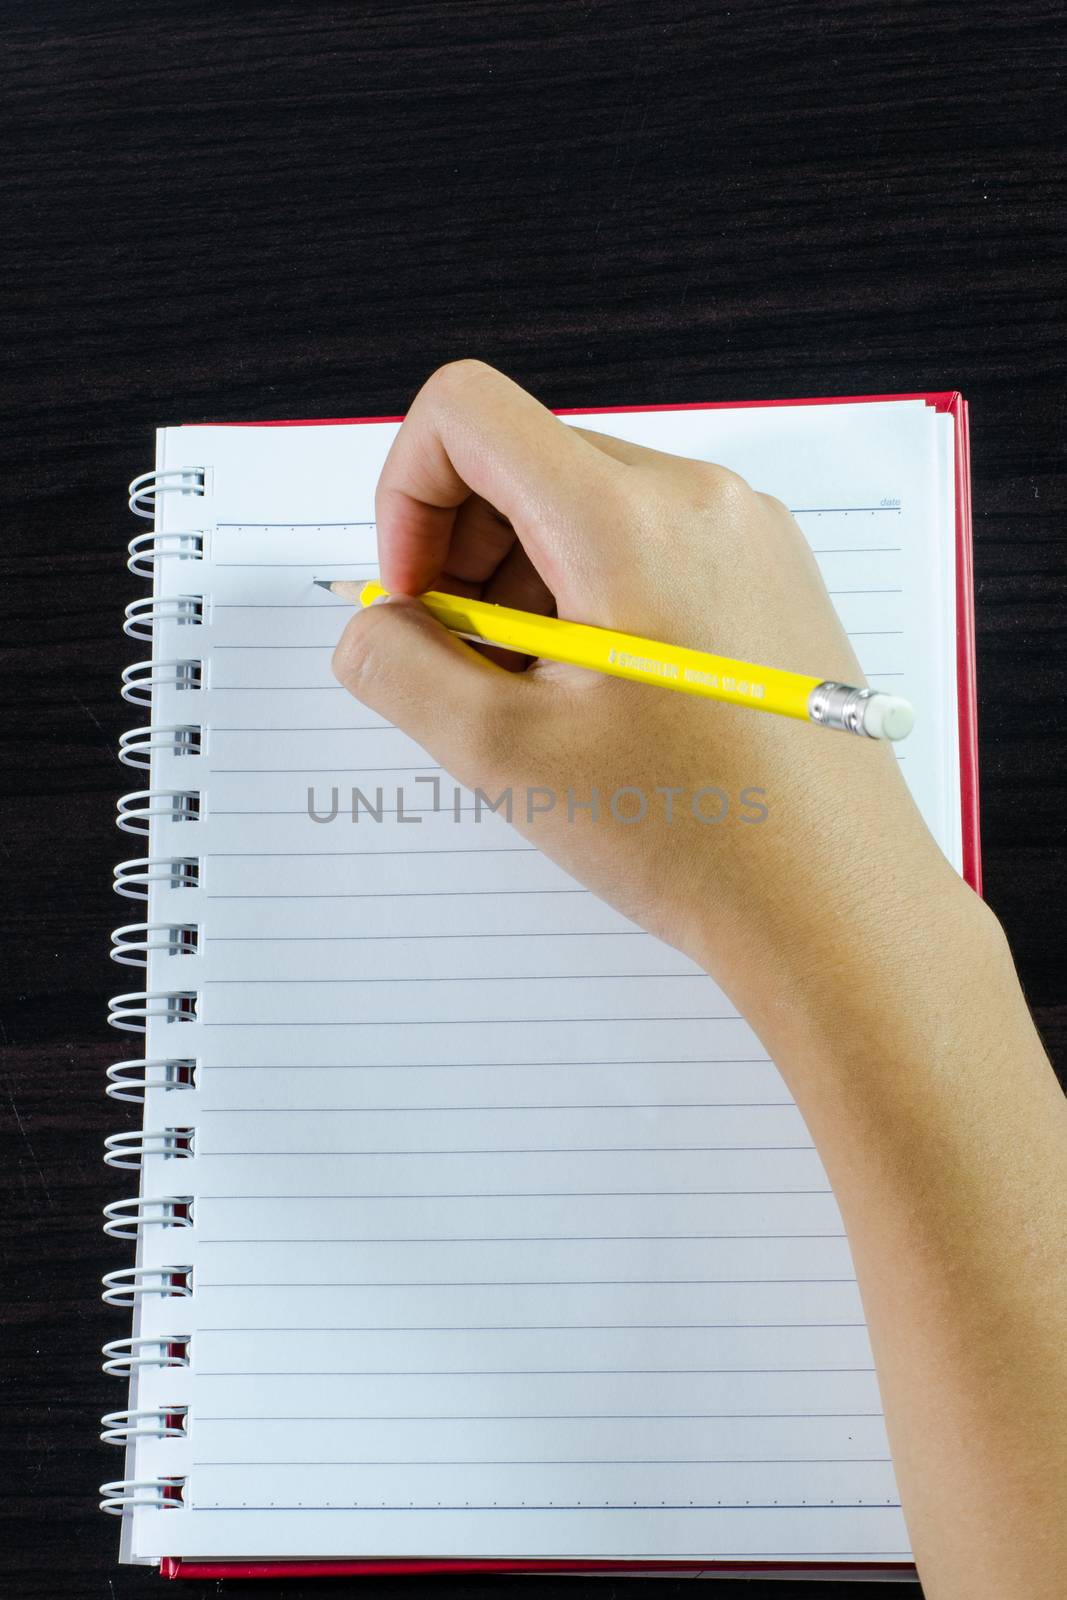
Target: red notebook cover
[(954, 403)]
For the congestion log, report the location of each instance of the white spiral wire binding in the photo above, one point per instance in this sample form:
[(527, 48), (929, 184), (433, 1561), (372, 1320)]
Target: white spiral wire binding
[(119, 1427), (126, 1218), (141, 677), (132, 1012), (177, 872), (126, 1285), (129, 1148), (177, 739), (134, 944), (147, 486), (148, 548), (131, 1080), (131, 944), (187, 610), (125, 1356), (136, 809), (126, 1494)]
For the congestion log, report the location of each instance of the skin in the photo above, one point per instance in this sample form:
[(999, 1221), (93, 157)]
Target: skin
[(906, 1043)]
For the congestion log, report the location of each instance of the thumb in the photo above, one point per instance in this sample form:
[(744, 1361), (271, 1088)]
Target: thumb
[(400, 661)]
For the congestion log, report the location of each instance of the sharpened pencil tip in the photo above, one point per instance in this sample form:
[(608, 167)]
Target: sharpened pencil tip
[(323, 583)]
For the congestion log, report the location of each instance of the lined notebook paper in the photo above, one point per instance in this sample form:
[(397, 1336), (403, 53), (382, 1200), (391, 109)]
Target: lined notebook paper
[(473, 1221)]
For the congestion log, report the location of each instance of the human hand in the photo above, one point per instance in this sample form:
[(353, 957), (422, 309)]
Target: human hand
[(486, 493)]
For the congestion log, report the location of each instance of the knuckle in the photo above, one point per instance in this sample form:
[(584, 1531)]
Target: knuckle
[(715, 488), (456, 377), (774, 505)]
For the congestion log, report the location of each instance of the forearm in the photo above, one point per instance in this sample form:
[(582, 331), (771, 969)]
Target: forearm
[(911, 1054)]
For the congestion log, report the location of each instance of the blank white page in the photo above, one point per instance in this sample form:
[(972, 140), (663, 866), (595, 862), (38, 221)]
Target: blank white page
[(507, 1238)]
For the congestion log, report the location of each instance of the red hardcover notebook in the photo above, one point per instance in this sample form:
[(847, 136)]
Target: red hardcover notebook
[(475, 1233)]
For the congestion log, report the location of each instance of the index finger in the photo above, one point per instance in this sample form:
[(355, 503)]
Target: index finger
[(470, 430)]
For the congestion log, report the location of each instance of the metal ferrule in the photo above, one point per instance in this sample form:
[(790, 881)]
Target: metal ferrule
[(836, 705)]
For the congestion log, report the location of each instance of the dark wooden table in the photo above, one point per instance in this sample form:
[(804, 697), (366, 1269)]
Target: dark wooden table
[(252, 210)]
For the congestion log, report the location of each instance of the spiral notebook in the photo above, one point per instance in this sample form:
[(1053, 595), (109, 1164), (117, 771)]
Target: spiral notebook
[(473, 1227)]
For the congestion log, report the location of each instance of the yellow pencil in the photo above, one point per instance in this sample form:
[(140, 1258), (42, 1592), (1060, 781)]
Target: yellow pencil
[(867, 712)]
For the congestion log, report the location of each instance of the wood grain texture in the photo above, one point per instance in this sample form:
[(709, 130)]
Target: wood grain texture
[(255, 210)]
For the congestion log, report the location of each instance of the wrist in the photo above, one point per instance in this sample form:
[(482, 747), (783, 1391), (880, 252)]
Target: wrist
[(889, 966)]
